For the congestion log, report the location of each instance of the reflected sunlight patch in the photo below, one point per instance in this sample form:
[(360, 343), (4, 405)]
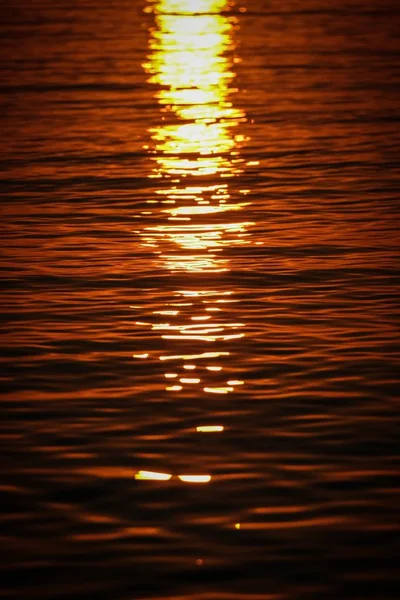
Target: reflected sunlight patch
[(156, 476), (195, 478), (192, 356), (209, 428), (191, 65), (190, 6), (152, 476)]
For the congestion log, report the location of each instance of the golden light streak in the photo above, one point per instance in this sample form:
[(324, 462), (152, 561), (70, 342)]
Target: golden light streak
[(204, 210), (202, 293), (204, 318), (156, 476), (207, 328), (200, 338), (190, 6), (152, 476), (179, 304), (191, 64), (195, 478), (209, 428), (193, 356)]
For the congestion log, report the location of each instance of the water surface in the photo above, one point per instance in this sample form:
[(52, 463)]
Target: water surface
[(200, 256)]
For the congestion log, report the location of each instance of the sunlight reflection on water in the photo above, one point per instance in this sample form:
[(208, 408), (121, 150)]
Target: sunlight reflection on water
[(200, 252), (191, 68)]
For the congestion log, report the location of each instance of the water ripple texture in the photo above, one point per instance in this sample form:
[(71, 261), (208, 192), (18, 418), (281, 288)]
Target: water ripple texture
[(200, 260)]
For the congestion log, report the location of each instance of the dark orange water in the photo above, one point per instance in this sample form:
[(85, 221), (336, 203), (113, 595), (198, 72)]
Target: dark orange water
[(200, 257)]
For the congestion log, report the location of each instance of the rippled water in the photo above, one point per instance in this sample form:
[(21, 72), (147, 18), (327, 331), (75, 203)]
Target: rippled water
[(200, 256)]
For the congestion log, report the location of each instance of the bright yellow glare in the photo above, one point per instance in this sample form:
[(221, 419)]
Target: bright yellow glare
[(203, 318), (204, 210), (195, 478), (209, 428), (190, 6), (196, 243), (202, 293), (191, 62), (151, 475), (186, 139), (195, 148), (192, 356)]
